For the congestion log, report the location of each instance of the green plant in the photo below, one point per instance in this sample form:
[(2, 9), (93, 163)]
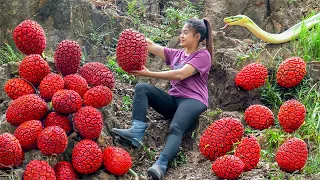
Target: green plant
[(127, 103), (118, 72), (179, 159), (8, 54)]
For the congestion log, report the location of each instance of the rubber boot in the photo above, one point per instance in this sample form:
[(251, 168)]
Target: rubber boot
[(133, 134), (159, 168)]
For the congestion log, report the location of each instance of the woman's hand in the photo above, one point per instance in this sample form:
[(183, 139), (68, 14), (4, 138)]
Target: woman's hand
[(144, 72)]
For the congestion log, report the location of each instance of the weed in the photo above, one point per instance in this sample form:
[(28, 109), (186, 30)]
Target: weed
[(127, 103), (8, 54), (118, 72), (179, 159)]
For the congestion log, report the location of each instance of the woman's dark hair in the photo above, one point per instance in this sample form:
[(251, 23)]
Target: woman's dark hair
[(203, 27)]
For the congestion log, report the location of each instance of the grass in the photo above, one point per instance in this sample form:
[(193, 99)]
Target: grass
[(8, 54)]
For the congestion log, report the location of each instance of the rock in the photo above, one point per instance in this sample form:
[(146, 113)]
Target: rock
[(313, 70)]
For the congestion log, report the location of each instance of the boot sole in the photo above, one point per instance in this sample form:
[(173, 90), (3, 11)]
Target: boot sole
[(153, 173), (129, 140)]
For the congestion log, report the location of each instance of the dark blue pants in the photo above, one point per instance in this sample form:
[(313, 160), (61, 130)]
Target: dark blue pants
[(182, 111)]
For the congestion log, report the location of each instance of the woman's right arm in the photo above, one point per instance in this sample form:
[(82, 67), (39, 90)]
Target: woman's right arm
[(155, 49)]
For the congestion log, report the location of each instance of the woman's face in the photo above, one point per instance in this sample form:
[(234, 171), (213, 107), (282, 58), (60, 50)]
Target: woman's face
[(188, 37)]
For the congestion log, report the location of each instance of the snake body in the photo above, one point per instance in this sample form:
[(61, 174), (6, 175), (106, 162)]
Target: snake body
[(288, 35)]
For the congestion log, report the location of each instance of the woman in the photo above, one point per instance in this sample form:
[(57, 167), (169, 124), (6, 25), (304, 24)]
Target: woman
[(187, 97)]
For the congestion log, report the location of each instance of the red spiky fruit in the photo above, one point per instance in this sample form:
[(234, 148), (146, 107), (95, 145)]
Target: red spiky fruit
[(292, 155), (97, 74), (291, 115), (87, 156), (29, 37), (49, 85), (66, 101), (116, 160), (77, 83), (131, 50), (89, 122), (52, 140), (219, 137), (37, 169), (67, 57), (252, 76), (249, 152), (17, 87), (65, 171), (24, 108), (11, 154), (33, 68), (259, 117), (27, 134), (228, 167), (291, 72), (56, 119), (97, 97)]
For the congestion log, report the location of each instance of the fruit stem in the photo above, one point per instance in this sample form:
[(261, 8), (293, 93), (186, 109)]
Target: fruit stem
[(134, 174)]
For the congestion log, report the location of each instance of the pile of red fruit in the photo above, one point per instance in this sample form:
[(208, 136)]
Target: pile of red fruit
[(76, 95)]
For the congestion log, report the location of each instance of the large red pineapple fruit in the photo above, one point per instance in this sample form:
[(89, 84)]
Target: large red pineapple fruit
[(88, 121), (249, 152), (97, 74), (292, 155), (77, 83), (33, 68), (49, 85), (11, 154), (56, 119), (66, 101), (52, 140), (24, 108), (219, 137), (87, 156), (98, 97), (259, 117), (291, 115), (37, 169), (27, 134), (116, 160), (252, 76), (228, 167), (291, 72), (131, 50), (65, 171), (29, 37), (67, 57), (17, 87)]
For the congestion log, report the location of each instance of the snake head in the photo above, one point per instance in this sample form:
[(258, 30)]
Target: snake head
[(239, 20)]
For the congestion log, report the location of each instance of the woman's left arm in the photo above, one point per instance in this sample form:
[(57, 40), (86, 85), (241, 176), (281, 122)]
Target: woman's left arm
[(177, 74)]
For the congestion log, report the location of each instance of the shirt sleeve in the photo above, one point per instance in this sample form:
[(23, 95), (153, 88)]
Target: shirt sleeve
[(170, 54), (201, 62)]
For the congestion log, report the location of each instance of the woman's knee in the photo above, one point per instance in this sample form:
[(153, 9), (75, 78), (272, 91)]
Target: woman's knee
[(142, 87), (175, 129)]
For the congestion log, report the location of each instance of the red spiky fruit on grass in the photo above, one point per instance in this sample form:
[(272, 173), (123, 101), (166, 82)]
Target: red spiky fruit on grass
[(77, 83), (116, 160), (66, 101), (131, 50), (29, 37), (292, 155), (87, 156), (291, 115), (89, 122), (97, 74), (97, 97), (291, 72), (11, 154), (24, 108), (56, 119), (27, 134), (33, 68), (65, 171), (37, 169), (219, 137), (249, 152), (67, 57), (228, 167), (52, 140), (252, 76), (259, 117), (49, 85), (17, 87)]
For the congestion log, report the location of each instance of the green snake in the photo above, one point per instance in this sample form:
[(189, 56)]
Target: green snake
[(288, 35)]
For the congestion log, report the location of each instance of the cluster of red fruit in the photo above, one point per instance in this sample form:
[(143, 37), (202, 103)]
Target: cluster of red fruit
[(75, 94), (219, 137)]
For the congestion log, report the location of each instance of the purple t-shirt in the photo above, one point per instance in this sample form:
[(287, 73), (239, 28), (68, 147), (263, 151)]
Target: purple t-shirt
[(196, 85)]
